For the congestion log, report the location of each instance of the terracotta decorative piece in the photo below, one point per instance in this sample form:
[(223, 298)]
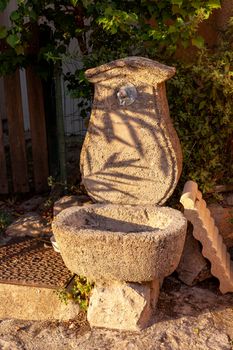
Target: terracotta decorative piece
[(205, 231)]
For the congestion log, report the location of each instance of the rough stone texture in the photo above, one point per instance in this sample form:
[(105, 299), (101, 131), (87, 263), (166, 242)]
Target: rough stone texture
[(207, 233), (223, 218), (147, 71), (193, 267), (196, 318), (116, 242), (54, 244), (33, 303), (131, 154), (229, 198), (69, 201), (32, 203), (124, 306), (29, 224)]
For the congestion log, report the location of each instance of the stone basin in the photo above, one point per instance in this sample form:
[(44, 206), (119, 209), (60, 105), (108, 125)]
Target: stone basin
[(120, 242)]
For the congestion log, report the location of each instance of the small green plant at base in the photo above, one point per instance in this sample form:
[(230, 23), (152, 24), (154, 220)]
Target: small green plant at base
[(51, 181), (66, 188), (230, 220), (5, 220), (196, 330), (79, 292), (63, 295), (48, 203)]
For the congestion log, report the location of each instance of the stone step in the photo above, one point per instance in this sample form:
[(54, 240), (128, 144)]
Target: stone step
[(31, 273), (205, 230)]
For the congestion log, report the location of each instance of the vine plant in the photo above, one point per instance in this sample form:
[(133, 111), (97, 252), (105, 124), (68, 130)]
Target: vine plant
[(200, 95), (79, 293), (104, 29), (201, 104)]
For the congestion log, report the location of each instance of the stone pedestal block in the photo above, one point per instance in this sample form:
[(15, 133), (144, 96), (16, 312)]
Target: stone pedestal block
[(121, 305)]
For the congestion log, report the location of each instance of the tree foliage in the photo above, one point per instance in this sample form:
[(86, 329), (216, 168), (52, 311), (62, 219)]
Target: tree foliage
[(200, 95), (201, 104), (104, 29)]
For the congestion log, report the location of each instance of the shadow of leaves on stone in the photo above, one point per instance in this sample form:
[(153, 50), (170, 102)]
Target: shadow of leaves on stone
[(125, 132)]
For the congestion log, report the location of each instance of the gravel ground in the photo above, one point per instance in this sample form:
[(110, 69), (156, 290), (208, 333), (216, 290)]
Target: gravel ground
[(187, 318)]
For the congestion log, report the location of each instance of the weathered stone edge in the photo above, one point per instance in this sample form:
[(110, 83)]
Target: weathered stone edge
[(33, 303), (150, 67)]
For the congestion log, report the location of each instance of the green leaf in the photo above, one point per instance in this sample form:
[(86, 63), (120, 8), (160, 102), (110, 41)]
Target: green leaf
[(19, 49), (172, 29), (87, 3), (198, 42), (33, 15), (202, 104), (3, 32), (74, 2), (108, 11), (15, 16), (3, 4), (185, 43), (215, 4), (196, 4), (177, 2), (13, 40)]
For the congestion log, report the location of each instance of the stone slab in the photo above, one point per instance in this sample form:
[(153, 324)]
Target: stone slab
[(116, 242), (193, 267), (32, 203), (70, 201), (31, 273), (197, 318), (34, 303), (123, 306), (131, 153), (29, 224)]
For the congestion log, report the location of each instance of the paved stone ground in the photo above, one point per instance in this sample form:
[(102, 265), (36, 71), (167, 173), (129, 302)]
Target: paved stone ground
[(188, 318)]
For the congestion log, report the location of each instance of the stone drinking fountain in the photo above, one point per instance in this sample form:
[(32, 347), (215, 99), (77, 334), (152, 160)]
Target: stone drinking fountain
[(130, 162)]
